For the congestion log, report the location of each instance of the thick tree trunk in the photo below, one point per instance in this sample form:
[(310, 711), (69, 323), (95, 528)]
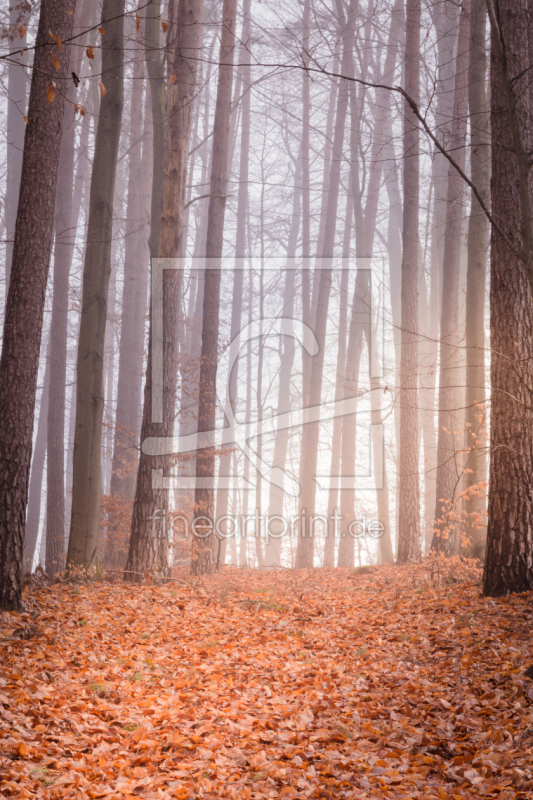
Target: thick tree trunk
[(478, 228), (149, 547), (86, 480), (449, 431), (408, 490), (25, 301), (509, 559), (202, 553)]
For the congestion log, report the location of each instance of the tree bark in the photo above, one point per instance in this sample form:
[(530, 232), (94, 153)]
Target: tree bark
[(408, 489), (202, 552), (25, 301), (65, 234), (509, 558), (478, 228), (86, 479), (16, 111), (149, 549)]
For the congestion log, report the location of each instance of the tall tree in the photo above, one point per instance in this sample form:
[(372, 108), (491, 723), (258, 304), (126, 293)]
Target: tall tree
[(478, 228), (509, 559), (86, 479), (33, 514), (63, 252), (444, 17), (25, 301), (408, 489), (135, 282), (16, 111), (245, 56), (310, 432), (202, 555), (148, 552), (449, 425)]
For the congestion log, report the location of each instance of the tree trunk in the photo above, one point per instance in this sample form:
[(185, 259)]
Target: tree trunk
[(16, 111), (130, 363), (86, 479), (478, 228), (240, 247), (408, 490), (336, 437), (33, 516), (25, 301), (310, 431), (445, 536), (445, 21), (65, 233), (365, 225), (509, 559), (149, 550), (202, 554)]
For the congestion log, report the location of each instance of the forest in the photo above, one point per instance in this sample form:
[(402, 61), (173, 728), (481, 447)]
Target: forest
[(266, 398)]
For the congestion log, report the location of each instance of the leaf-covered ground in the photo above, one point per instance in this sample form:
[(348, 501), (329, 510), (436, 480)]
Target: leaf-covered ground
[(385, 684)]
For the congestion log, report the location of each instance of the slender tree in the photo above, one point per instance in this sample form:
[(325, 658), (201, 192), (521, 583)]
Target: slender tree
[(408, 489), (135, 281), (146, 551), (309, 448), (478, 229), (86, 481), (202, 555), (449, 425)]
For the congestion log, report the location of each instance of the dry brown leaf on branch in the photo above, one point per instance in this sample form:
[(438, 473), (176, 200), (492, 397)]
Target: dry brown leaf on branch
[(102, 88), (137, 22), (22, 31), (55, 60), (51, 92), (90, 53), (101, 31), (57, 40), (164, 25)]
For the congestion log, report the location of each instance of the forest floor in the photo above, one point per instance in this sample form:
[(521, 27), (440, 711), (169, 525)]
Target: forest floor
[(385, 683)]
